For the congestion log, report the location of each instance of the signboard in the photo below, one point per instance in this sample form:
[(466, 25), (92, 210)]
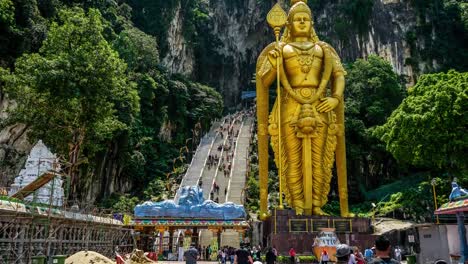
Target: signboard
[(317, 224), (342, 226), (411, 238), (298, 225)]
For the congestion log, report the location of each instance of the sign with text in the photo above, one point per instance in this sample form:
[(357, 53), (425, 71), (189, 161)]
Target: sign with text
[(342, 226), (317, 224), (298, 225), (326, 237)]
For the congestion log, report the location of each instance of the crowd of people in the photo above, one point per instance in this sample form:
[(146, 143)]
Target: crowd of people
[(222, 155), (242, 255), (381, 253)]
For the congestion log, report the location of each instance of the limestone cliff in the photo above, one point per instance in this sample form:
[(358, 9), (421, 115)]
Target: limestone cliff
[(236, 32), (14, 146)]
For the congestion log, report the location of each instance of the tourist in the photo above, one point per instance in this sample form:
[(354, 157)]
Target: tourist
[(191, 255), (223, 256), (259, 253), (342, 254), (398, 254), (324, 258), (275, 251), (270, 256), (243, 257), (382, 252), (359, 256), (368, 254), (292, 255), (254, 253), (231, 253), (208, 252), (352, 258)]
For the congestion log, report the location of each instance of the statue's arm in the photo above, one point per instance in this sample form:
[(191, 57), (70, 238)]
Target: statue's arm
[(267, 73), (338, 77), (337, 85)]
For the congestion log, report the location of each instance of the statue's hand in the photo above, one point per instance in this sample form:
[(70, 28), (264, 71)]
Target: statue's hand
[(327, 104), (272, 55)]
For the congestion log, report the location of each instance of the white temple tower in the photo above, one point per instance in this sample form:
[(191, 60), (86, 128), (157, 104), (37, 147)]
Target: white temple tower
[(40, 160)]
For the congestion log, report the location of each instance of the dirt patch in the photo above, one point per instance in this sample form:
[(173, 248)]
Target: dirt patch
[(88, 257)]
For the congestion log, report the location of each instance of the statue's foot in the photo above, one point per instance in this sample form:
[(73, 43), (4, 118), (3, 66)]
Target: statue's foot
[(319, 211), (299, 211), (263, 216), (348, 215)]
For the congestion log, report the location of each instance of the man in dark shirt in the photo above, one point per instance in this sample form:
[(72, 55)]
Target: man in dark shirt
[(243, 257), (270, 256), (382, 252), (191, 255)]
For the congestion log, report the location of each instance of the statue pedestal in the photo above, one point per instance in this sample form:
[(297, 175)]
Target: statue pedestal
[(285, 229)]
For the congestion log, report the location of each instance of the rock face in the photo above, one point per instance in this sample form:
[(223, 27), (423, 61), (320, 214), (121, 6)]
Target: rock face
[(236, 34), (14, 146), (181, 58)]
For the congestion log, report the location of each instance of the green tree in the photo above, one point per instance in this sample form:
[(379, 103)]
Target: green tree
[(7, 12), (74, 93), (429, 129), (372, 92)]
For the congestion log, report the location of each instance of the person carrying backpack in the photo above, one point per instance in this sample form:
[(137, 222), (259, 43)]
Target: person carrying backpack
[(382, 252)]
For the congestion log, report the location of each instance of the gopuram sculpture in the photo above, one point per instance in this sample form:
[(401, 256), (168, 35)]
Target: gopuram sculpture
[(306, 123)]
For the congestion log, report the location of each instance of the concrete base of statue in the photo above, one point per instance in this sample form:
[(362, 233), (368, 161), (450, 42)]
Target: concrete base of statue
[(284, 229)]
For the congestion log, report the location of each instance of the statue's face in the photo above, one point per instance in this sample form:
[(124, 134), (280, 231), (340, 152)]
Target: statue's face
[(301, 25)]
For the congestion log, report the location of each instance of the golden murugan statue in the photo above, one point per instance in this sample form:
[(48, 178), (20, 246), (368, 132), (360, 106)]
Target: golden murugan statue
[(306, 123)]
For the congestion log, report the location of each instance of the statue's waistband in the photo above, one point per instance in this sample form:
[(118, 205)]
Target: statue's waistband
[(305, 92)]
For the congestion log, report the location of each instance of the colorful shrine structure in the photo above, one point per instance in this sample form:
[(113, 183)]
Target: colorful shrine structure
[(458, 205), (169, 225)]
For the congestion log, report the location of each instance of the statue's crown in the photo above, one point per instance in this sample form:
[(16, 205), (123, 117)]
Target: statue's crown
[(297, 7), (295, 1)]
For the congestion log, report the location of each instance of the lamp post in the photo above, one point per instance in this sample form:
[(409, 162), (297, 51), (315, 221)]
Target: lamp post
[(433, 183)]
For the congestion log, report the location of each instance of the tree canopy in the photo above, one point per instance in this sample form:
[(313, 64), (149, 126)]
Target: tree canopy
[(429, 128), (74, 93), (372, 92)]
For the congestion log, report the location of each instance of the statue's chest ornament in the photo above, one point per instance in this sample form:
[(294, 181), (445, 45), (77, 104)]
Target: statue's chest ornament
[(305, 59)]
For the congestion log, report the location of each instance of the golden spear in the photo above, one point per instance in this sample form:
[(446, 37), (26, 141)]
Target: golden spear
[(277, 18)]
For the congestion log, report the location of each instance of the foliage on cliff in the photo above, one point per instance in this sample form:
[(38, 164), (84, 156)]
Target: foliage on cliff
[(440, 35), (97, 74)]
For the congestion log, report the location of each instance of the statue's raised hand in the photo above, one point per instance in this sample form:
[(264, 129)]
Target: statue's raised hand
[(327, 104), (273, 55)]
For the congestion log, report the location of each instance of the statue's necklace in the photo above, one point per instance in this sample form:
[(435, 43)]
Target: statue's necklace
[(305, 59)]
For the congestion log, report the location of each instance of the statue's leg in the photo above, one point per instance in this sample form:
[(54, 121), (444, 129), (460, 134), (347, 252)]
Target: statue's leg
[(319, 179), (293, 150)]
